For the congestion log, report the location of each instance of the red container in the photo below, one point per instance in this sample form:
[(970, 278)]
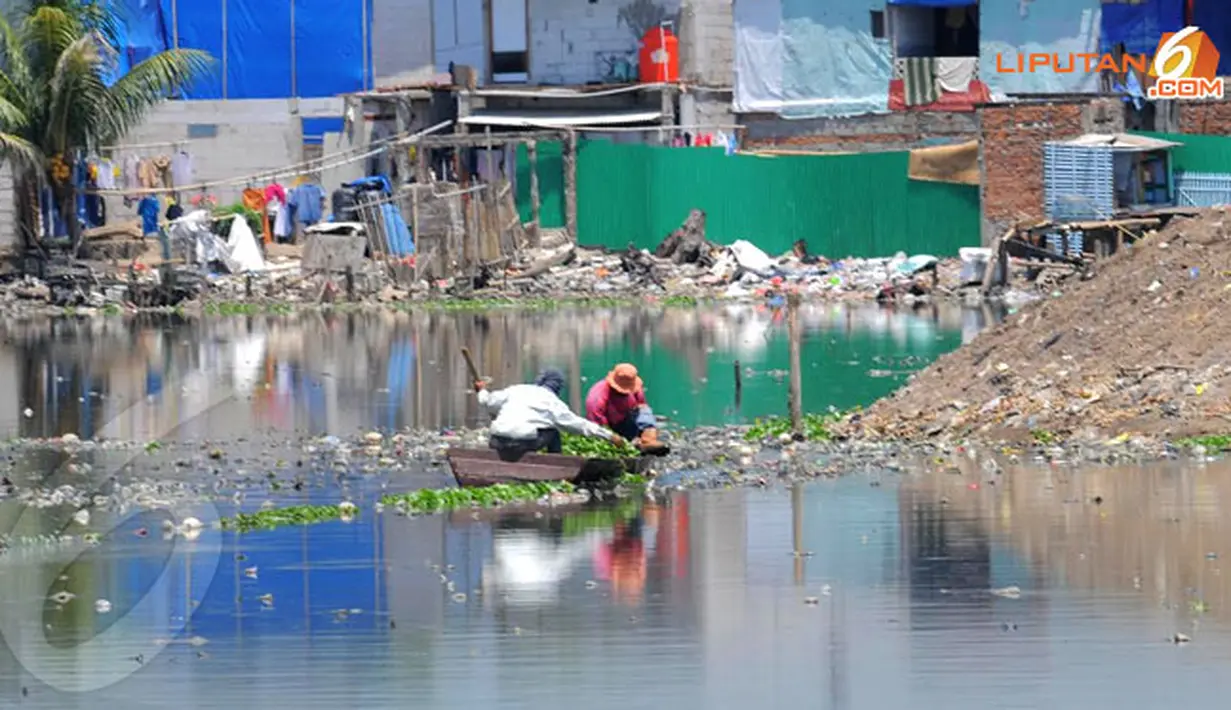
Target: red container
[(659, 59)]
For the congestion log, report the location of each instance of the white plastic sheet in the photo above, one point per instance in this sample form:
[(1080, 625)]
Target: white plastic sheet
[(242, 244)]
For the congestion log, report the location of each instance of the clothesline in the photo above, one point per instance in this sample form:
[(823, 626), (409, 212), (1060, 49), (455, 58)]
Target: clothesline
[(293, 170)]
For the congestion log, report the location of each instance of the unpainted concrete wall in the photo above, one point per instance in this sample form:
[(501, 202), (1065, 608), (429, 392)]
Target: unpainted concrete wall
[(402, 42), (569, 37), (894, 131), (707, 35), (1011, 153), (250, 136)]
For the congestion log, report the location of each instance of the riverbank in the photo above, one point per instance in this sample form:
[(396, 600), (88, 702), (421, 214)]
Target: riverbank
[(1133, 354), (569, 276)]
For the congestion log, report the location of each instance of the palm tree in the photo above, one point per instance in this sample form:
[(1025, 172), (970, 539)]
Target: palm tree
[(57, 58)]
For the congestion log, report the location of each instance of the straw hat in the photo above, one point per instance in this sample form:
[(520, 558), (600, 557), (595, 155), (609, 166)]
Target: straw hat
[(623, 379)]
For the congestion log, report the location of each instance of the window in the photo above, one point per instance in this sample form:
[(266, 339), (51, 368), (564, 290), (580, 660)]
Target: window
[(920, 31), (878, 24)]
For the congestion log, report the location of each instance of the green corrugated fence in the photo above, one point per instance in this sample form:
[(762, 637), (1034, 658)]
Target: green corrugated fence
[(551, 184), (1199, 153), (843, 205)]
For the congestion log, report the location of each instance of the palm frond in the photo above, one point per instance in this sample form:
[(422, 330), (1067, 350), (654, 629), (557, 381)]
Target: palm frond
[(24, 155), (13, 52), (12, 117), (69, 90), (154, 80), (46, 32)]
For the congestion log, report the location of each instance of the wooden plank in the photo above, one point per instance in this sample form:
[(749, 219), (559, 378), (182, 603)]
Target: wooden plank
[(795, 395)]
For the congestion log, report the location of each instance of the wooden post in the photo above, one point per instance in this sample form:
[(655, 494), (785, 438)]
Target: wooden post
[(570, 185), (401, 158), (422, 174), (536, 205), (491, 161), (998, 250), (739, 386), (795, 397)]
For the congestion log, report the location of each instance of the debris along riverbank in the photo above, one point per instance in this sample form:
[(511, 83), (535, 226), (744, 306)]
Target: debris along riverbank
[(1134, 353), (685, 266)]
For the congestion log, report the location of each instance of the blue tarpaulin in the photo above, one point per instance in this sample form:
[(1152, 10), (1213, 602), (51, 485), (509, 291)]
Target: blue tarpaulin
[(1214, 19), (1139, 25), (259, 55), (933, 3)]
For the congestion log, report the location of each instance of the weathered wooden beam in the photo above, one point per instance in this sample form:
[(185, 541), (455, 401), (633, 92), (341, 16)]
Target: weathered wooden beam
[(536, 203)]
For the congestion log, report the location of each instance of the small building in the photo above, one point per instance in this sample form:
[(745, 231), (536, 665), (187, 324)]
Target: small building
[(1101, 176)]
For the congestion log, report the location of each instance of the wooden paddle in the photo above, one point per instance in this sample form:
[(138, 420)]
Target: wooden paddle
[(474, 371)]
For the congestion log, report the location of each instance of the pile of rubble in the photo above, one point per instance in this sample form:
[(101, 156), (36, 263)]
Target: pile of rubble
[(1133, 352), (685, 263)]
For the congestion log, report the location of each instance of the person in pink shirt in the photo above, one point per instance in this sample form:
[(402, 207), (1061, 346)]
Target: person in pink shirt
[(618, 403)]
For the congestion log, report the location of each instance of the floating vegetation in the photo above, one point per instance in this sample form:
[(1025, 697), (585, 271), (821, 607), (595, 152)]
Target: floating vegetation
[(816, 427), (679, 301), (1210, 442), (433, 500), (591, 448), (293, 515), (422, 502), (1044, 437), (232, 308)]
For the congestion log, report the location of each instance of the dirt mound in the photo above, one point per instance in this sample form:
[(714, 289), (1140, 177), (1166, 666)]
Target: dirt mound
[(1139, 349)]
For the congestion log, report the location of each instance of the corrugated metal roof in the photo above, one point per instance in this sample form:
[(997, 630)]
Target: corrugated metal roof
[(559, 119), (1119, 141)]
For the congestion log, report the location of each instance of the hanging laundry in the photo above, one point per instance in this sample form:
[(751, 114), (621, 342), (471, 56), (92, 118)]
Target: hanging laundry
[(148, 209), (954, 74), (174, 212), (132, 172), (181, 169), (147, 174), (308, 201), (254, 199), (284, 224), (105, 176), (919, 81), (274, 191)]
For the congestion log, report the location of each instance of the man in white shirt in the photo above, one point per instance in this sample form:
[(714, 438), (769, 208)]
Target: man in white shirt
[(529, 417)]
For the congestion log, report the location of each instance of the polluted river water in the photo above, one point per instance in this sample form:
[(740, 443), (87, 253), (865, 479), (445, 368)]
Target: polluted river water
[(1034, 586)]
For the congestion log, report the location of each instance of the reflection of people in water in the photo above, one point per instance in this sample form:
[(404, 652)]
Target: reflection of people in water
[(622, 562)]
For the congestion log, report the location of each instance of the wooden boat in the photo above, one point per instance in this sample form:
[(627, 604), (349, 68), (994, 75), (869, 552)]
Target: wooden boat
[(474, 468)]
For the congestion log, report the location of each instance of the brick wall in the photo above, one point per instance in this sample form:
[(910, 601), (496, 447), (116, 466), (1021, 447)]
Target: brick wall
[(569, 37), (1207, 117), (1011, 153)]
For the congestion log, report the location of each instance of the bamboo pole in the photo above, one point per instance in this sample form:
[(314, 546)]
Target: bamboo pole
[(536, 205), (795, 397), (570, 185), (739, 386)]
